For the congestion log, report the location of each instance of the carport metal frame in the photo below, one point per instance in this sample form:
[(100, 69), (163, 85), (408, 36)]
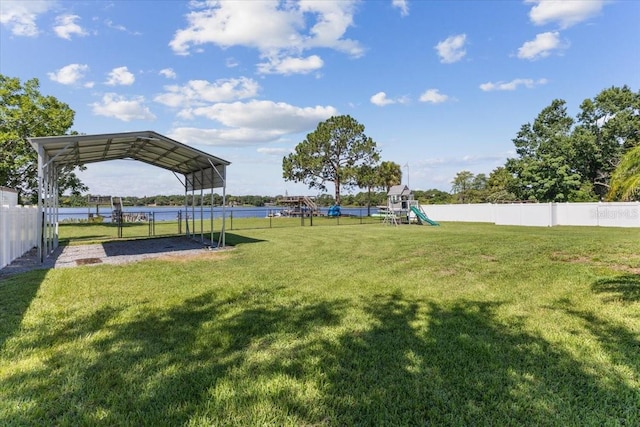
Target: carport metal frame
[(200, 171)]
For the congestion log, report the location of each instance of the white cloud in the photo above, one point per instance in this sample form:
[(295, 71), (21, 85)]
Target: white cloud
[(20, 16), (200, 92), (252, 122), (380, 99), (541, 46), (69, 74), (119, 27), (291, 65), (276, 29), (277, 152), (223, 137), (168, 73), (266, 115), (565, 13), (109, 23), (120, 76), (119, 107), (512, 85), (66, 27), (433, 96), (451, 49), (402, 5)]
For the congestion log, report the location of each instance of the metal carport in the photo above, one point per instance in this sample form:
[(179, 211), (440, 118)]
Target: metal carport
[(200, 170)]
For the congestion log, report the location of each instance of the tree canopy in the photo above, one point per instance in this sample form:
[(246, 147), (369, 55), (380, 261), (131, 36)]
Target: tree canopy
[(334, 152), (25, 112), (389, 174), (562, 159)]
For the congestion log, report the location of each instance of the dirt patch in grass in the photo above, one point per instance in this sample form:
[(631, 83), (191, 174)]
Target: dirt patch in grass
[(582, 259)]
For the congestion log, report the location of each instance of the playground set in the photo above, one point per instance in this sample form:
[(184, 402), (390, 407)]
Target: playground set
[(403, 209)]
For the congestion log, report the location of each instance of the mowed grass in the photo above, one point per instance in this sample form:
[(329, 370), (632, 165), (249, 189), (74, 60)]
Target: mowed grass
[(83, 233), (463, 324)]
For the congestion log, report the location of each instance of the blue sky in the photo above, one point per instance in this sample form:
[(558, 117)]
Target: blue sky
[(441, 86)]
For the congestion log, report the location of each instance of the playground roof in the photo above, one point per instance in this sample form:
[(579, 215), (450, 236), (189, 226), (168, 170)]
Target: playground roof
[(399, 190), (145, 146)]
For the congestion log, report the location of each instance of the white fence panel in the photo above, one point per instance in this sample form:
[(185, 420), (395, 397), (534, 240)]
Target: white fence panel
[(475, 212), (18, 232), (577, 214), (617, 214), (529, 214)]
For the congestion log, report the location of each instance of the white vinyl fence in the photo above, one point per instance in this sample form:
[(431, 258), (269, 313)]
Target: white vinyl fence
[(18, 231), (616, 214)]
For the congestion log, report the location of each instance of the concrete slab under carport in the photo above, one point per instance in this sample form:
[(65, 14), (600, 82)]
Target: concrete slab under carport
[(111, 252)]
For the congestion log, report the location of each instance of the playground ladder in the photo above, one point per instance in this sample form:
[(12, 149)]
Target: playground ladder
[(390, 217)]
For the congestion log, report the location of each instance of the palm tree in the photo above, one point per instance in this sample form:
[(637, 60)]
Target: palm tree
[(625, 180), (389, 174)]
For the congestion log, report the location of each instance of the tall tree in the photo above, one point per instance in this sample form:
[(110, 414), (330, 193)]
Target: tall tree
[(331, 153), (625, 180), (25, 112), (609, 126), (389, 174), (367, 177), (499, 186), (462, 184), (382, 176), (544, 171)]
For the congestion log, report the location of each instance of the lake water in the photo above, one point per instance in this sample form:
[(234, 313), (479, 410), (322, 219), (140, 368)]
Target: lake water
[(170, 213)]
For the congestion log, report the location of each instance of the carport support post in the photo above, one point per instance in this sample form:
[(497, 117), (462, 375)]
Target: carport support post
[(201, 207), (193, 210), (40, 223), (186, 212), (47, 222), (211, 213), (222, 239)]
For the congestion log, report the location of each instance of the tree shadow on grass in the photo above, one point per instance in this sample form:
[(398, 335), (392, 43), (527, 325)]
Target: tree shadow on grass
[(150, 366), (622, 345), (459, 365), (256, 358), (625, 287)]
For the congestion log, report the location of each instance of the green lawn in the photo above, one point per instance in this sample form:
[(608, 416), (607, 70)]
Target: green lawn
[(82, 233), (463, 324)]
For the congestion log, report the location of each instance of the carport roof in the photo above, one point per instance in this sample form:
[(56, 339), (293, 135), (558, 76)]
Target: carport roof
[(145, 146)]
